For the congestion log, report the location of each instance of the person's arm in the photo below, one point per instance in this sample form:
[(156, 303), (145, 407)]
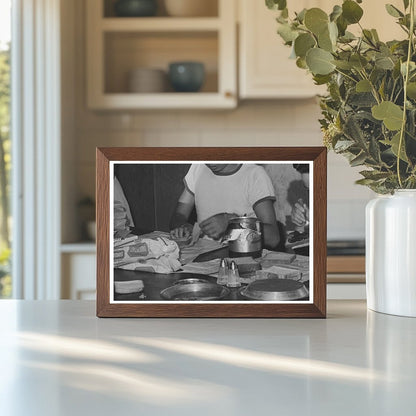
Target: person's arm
[(300, 214), (217, 225), (265, 213), (179, 222)]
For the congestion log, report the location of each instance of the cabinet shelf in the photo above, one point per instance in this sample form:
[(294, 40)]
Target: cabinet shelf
[(116, 46), (198, 100), (160, 24)]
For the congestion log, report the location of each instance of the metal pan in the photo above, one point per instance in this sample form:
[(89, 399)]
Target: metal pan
[(190, 280), (275, 290), (195, 291)]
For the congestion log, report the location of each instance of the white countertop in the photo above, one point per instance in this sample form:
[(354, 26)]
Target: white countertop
[(57, 358)]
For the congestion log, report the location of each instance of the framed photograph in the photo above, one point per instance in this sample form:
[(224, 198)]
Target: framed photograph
[(211, 232)]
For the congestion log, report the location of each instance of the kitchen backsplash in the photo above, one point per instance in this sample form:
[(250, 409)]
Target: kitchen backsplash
[(253, 123), (287, 123)]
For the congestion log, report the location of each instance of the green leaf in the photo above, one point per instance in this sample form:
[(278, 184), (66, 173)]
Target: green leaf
[(325, 42), (377, 75), (384, 62), (320, 61), (388, 112), (394, 143), (301, 63), (301, 15), (336, 12), (343, 145), (374, 174), (287, 33), (358, 160), (303, 43), (347, 37), (316, 20), (351, 11), (375, 35), (281, 19), (368, 36), (344, 65), (393, 11), (321, 79), (333, 32), (354, 132), (363, 86), (362, 99), (365, 182), (406, 4), (374, 150), (358, 61), (276, 4), (412, 67), (411, 90), (342, 25)]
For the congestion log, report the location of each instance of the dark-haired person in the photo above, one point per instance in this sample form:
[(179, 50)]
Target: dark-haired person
[(300, 211), (220, 192), (299, 240)]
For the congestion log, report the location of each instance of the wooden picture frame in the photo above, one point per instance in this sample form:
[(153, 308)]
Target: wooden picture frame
[(313, 306)]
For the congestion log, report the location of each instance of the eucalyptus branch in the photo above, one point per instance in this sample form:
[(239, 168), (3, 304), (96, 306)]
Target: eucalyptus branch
[(373, 88), (406, 80), (346, 75), (392, 91), (398, 95)]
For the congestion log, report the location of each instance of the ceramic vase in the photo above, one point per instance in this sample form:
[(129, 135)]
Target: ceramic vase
[(391, 253)]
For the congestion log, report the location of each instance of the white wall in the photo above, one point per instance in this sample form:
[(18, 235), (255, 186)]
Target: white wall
[(256, 123)]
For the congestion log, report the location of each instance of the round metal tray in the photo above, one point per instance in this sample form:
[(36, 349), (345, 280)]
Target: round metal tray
[(275, 290), (200, 291), (188, 281)]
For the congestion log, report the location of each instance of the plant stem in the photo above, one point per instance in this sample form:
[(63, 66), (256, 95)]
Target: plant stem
[(373, 88), (346, 75), (406, 80)]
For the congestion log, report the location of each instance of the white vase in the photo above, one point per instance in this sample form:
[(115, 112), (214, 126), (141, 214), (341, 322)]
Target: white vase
[(391, 253)]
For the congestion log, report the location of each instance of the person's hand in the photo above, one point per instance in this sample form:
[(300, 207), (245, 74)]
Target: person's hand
[(183, 231), (215, 226), (300, 214)]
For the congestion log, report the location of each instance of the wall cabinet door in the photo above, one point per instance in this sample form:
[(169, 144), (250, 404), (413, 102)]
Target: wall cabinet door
[(264, 66), (265, 69), (117, 46)]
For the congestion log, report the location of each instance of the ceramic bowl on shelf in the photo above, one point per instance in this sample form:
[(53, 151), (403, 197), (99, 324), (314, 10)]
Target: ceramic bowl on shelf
[(186, 76), (191, 8), (147, 80), (135, 8)]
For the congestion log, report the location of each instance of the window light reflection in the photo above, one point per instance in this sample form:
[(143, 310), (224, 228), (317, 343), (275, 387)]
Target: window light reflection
[(131, 384), (262, 361), (82, 348)]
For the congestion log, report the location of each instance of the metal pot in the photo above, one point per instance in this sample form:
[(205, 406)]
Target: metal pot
[(244, 235)]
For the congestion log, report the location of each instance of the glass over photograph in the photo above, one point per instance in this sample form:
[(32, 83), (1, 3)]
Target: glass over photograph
[(211, 232)]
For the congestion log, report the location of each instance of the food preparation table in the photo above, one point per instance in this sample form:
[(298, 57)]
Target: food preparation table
[(57, 358), (154, 283)]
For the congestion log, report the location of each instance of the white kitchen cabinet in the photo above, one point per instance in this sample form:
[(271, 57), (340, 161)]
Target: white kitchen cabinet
[(78, 262), (265, 70), (117, 45)]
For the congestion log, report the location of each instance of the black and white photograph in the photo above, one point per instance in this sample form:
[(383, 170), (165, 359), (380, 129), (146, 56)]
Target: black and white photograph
[(211, 232)]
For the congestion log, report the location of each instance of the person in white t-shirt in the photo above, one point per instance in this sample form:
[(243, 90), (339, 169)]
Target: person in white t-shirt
[(220, 192)]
